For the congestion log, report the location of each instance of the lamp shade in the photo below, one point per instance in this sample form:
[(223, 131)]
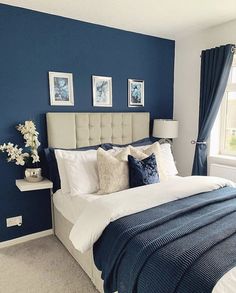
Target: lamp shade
[(165, 128)]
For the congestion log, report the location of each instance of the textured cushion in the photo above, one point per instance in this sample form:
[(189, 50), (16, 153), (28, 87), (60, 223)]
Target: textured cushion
[(155, 148), (113, 170), (142, 172)]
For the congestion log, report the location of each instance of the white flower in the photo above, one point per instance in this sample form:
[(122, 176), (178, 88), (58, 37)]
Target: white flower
[(28, 130), (35, 158), (14, 153), (30, 135)]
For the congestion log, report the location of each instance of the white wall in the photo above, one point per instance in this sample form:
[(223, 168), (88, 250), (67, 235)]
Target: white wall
[(187, 87)]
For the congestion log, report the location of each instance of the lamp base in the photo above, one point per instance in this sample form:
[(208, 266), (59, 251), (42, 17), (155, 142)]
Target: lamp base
[(165, 140)]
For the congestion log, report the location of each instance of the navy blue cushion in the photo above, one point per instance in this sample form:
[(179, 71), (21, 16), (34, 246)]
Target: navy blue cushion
[(51, 162), (52, 168), (141, 142), (142, 172)]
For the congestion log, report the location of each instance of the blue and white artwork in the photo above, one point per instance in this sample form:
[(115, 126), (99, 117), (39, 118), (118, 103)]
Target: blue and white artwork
[(61, 89), (135, 93), (102, 91)]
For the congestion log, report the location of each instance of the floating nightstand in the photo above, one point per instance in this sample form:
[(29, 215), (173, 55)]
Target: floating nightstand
[(24, 185)]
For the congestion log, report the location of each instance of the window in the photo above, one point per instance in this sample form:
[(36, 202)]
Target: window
[(228, 116)]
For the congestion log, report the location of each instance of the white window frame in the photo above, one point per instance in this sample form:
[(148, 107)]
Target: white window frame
[(231, 87)]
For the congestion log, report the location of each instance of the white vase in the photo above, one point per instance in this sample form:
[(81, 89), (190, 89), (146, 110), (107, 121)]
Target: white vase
[(33, 174)]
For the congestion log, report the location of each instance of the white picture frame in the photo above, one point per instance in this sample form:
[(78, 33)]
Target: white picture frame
[(61, 89), (102, 91), (135, 93)]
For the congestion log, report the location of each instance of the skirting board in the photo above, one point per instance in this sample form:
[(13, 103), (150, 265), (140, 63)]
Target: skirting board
[(26, 238)]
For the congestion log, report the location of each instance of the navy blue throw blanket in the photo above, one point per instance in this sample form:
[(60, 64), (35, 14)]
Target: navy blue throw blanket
[(184, 246)]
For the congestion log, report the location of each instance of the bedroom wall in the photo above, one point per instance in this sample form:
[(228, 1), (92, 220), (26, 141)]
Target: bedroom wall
[(34, 43), (187, 87)]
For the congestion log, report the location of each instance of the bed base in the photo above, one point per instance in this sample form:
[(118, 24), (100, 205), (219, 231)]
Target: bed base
[(85, 260)]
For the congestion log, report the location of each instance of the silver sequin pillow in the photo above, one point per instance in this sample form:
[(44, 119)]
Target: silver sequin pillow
[(113, 170)]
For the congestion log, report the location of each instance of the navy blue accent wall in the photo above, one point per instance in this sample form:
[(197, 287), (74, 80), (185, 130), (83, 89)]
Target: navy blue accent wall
[(31, 44)]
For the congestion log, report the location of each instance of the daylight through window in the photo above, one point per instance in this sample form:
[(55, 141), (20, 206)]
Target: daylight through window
[(228, 115)]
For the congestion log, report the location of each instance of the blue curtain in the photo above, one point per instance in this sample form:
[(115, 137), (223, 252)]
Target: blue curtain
[(215, 68)]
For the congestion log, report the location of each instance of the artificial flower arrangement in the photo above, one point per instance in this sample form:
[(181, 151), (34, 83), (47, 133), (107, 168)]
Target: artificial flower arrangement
[(16, 154)]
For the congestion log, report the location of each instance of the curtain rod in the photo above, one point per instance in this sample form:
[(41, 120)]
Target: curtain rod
[(233, 50)]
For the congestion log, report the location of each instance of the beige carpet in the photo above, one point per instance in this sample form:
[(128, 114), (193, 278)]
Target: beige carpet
[(41, 266)]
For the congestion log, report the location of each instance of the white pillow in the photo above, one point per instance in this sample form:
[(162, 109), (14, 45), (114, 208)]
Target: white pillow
[(78, 171), (168, 160), (82, 173), (113, 170), (59, 154)]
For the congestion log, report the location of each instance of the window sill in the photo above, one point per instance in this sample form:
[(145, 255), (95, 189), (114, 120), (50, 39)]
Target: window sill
[(222, 159)]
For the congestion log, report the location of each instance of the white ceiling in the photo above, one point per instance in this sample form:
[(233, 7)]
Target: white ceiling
[(165, 18)]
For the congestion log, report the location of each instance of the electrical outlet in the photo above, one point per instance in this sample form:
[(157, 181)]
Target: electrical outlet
[(14, 221)]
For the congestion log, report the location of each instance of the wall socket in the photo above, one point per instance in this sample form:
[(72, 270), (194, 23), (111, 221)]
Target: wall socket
[(14, 221)]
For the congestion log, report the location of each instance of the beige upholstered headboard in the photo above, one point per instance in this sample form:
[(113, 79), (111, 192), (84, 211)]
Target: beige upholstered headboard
[(74, 130)]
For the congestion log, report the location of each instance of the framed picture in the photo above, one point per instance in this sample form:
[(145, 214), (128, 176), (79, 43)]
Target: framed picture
[(102, 91), (61, 89), (135, 93)]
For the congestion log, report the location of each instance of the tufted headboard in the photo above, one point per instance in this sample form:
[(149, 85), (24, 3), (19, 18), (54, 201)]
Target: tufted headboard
[(74, 130)]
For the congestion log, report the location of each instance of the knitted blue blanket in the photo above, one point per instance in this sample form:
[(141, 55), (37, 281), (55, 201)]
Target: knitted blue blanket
[(184, 246)]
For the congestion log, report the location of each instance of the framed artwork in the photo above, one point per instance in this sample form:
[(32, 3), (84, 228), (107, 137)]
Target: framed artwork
[(102, 91), (61, 89), (135, 93)]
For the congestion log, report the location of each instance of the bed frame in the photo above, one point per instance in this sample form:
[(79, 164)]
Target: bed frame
[(74, 130)]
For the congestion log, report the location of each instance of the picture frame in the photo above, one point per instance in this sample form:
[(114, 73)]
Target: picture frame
[(102, 91), (61, 89), (135, 93)]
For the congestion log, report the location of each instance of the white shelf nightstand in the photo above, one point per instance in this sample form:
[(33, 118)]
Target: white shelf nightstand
[(24, 185)]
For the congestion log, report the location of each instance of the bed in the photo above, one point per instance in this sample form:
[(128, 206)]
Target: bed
[(73, 130)]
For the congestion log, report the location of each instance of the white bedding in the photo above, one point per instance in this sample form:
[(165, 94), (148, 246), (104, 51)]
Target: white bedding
[(71, 207), (100, 212), (92, 213)]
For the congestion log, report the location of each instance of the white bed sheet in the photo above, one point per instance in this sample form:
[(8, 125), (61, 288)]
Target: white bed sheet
[(72, 207), (88, 228)]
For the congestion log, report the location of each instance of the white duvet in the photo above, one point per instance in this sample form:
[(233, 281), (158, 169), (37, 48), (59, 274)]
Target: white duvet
[(100, 212)]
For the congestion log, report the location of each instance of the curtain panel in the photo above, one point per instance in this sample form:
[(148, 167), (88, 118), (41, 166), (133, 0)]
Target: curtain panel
[(215, 68)]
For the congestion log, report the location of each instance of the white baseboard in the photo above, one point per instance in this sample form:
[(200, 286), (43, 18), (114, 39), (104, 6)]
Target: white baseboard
[(26, 238)]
